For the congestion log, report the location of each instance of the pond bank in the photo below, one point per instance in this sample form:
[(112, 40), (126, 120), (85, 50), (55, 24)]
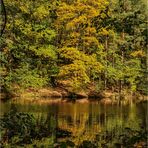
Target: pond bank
[(56, 95)]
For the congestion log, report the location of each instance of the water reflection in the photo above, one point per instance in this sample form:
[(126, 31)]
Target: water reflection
[(85, 122)]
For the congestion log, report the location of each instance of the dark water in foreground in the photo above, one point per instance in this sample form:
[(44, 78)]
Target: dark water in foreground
[(86, 121)]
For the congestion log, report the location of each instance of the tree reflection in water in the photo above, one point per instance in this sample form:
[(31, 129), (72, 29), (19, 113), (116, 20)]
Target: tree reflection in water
[(92, 125)]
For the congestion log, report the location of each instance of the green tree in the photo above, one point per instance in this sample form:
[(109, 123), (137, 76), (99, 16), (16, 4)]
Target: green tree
[(28, 52), (124, 43)]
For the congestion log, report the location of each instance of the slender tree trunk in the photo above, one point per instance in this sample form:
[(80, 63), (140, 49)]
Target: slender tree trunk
[(122, 56), (113, 65), (105, 81), (105, 75)]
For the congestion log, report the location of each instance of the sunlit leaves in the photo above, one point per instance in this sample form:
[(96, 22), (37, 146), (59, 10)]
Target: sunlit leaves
[(78, 40), (41, 12), (81, 67), (138, 53), (45, 51)]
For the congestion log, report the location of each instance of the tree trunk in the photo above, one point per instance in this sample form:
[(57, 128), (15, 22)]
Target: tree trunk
[(122, 56), (105, 75)]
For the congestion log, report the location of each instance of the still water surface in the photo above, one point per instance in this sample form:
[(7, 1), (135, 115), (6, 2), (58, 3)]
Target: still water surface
[(86, 120)]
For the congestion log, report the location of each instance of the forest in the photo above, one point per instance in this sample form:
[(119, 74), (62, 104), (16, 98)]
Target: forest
[(80, 45), (73, 73)]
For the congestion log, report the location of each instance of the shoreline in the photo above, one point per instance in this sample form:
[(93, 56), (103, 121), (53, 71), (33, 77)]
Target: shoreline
[(56, 95)]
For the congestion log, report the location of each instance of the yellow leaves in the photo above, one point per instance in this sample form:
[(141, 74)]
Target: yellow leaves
[(75, 73), (138, 53), (70, 53), (81, 66), (78, 35), (104, 32), (71, 25), (65, 9), (76, 69), (41, 12), (91, 13), (64, 12), (80, 71), (76, 22), (24, 9), (45, 34), (98, 4), (79, 12), (90, 41), (93, 65), (45, 51), (71, 42), (74, 54), (27, 30), (90, 31), (18, 22), (111, 33), (75, 35)]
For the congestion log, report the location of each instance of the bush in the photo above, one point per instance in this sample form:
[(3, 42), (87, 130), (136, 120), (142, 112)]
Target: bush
[(21, 128)]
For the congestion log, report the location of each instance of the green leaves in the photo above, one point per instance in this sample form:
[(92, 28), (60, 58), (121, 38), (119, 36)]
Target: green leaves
[(23, 77), (44, 51), (22, 128), (28, 50), (79, 41)]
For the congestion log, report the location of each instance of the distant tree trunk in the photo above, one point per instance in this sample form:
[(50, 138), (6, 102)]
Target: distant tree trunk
[(122, 52), (105, 74), (120, 86), (105, 81), (122, 56), (113, 65)]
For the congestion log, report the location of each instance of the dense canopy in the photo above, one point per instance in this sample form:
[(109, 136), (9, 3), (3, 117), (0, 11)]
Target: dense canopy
[(82, 43)]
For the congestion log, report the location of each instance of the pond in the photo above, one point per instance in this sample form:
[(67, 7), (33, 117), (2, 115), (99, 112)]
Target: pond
[(86, 124)]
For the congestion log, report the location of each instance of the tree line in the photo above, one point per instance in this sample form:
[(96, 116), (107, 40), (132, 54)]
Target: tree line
[(78, 43)]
